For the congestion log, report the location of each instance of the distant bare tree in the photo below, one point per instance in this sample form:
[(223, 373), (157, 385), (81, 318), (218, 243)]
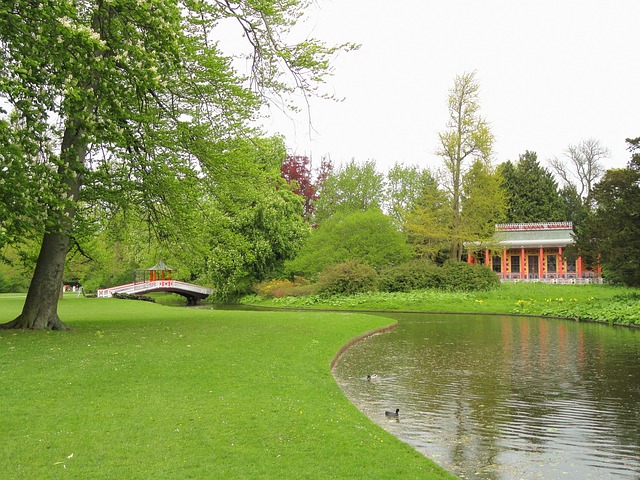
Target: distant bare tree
[(581, 165)]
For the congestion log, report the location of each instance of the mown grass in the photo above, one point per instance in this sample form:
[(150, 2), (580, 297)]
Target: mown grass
[(606, 303), (137, 390)]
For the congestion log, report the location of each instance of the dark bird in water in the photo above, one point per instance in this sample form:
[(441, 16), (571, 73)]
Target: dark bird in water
[(392, 414), (372, 377)]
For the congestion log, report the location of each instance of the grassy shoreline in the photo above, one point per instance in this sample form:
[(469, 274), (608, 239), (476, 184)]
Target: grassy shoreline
[(600, 303), (139, 390)]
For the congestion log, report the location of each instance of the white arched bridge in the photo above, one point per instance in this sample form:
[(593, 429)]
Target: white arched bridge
[(193, 293)]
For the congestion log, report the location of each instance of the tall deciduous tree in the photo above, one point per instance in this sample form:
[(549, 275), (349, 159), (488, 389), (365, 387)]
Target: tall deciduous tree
[(428, 224), (405, 185), (467, 137), (297, 171), (531, 191), (581, 165), (350, 188), (612, 231), (483, 202), (133, 87)]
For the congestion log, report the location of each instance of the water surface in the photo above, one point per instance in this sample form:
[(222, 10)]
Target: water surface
[(497, 397)]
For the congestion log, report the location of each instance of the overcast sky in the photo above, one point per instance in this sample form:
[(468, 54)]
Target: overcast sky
[(551, 73)]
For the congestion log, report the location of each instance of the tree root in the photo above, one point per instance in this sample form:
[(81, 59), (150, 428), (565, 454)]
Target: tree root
[(23, 322)]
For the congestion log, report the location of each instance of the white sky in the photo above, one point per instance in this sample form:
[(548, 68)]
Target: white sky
[(551, 73)]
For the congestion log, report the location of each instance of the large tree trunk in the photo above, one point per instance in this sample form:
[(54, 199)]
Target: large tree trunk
[(40, 309)]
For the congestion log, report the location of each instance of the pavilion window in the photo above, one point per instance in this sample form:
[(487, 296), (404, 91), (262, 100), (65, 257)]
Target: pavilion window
[(551, 264), (496, 264), (515, 263)]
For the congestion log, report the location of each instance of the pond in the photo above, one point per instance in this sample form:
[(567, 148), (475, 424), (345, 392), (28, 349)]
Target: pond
[(502, 398)]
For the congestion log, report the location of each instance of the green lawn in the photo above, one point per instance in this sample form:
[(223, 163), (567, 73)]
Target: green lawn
[(138, 391)]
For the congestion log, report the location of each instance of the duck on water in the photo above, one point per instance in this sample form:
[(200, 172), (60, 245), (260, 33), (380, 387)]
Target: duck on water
[(392, 414)]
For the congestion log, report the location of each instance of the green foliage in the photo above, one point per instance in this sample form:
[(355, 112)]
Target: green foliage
[(405, 187), (352, 188), (483, 203), (275, 288), (253, 222), (347, 278), (428, 223), (531, 191), (623, 309), (413, 275), (367, 237), (469, 277), (107, 105), (575, 209), (14, 274), (599, 303), (130, 296), (613, 230), (467, 138), (423, 274)]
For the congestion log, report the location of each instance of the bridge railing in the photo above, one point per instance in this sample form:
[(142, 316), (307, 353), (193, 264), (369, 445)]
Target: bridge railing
[(148, 286)]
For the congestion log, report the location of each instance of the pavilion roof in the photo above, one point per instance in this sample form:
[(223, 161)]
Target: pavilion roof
[(534, 235), (161, 266)]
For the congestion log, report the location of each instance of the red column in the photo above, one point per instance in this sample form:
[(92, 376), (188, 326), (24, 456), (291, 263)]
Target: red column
[(503, 268), (560, 262), (541, 263), (469, 259), (522, 275), (487, 259), (579, 267)]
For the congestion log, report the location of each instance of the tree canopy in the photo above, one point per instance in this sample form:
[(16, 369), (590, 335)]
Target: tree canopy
[(467, 137), (531, 191), (581, 165), (297, 171), (368, 237), (109, 102), (612, 231), (405, 186), (352, 187)]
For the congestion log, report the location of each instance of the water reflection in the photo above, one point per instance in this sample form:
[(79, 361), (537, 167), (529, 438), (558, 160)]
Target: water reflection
[(501, 398)]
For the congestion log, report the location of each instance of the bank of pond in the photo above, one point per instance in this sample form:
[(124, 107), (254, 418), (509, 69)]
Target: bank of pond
[(612, 304), (139, 389)]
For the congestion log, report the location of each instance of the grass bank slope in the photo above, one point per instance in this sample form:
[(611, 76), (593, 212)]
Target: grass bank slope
[(138, 391), (604, 303)]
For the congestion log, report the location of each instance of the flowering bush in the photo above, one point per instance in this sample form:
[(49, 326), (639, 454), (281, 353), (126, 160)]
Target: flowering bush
[(275, 288), (347, 278)]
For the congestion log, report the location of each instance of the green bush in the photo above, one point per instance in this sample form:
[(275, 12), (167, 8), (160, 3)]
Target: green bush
[(467, 276), (413, 275), (368, 237), (347, 278), (283, 288)]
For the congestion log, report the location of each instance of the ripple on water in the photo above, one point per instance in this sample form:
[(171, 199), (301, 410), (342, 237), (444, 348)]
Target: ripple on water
[(505, 398)]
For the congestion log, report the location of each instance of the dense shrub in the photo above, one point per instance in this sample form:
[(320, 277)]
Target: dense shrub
[(347, 278), (467, 276), (131, 296), (414, 275), (369, 237), (283, 288), (423, 274)]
